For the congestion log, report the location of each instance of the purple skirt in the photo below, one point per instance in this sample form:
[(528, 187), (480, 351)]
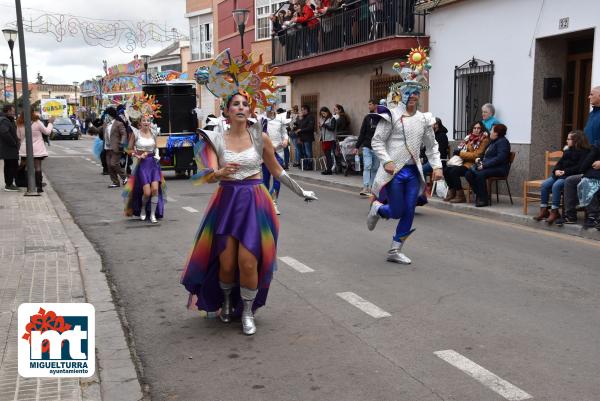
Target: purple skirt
[(146, 172), (243, 210)]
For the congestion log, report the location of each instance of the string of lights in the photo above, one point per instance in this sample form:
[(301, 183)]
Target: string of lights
[(125, 34)]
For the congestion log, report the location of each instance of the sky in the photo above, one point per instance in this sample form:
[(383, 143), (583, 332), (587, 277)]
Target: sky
[(73, 59)]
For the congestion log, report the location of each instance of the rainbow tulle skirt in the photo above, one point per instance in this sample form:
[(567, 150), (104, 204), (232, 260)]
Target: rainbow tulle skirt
[(145, 172), (243, 210)]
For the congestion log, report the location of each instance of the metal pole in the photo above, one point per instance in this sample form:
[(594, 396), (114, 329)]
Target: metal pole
[(14, 79), (31, 190), (4, 76), (242, 29)]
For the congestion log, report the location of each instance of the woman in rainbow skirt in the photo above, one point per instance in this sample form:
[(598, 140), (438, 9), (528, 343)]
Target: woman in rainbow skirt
[(231, 265)]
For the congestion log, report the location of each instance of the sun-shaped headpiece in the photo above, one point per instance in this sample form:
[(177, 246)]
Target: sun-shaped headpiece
[(228, 76), (414, 73), (143, 105)]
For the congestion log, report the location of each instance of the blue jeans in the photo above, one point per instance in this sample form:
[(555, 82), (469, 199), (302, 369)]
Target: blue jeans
[(556, 187), (267, 178), (371, 164), (307, 153), (286, 156), (427, 169), (402, 193), (297, 151)]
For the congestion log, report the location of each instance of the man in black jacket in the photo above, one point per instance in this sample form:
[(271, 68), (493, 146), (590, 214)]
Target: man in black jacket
[(9, 146), (370, 160), (306, 135)]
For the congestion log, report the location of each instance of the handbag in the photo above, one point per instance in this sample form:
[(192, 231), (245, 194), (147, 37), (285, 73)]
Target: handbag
[(455, 161)]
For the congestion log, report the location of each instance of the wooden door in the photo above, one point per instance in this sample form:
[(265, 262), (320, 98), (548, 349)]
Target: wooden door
[(577, 90)]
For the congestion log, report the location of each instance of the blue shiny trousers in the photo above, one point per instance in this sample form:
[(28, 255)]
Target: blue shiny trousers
[(267, 178), (401, 194)]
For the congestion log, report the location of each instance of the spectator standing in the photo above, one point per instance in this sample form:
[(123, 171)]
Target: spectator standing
[(306, 136), (441, 138), (310, 24), (9, 147), (370, 160), (294, 120), (327, 126), (117, 136), (576, 150), (38, 130), (495, 163), (592, 127), (488, 116), (468, 150)]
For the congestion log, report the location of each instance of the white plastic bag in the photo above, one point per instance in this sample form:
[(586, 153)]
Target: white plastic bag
[(439, 189)]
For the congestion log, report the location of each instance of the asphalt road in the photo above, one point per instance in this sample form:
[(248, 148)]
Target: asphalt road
[(519, 307)]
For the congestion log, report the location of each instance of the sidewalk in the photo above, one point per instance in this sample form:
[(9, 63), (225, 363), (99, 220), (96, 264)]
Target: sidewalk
[(502, 211), (44, 257)]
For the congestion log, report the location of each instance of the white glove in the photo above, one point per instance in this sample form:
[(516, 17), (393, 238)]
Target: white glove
[(286, 180)]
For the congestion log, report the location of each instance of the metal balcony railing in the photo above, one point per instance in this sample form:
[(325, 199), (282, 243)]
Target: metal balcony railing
[(352, 24)]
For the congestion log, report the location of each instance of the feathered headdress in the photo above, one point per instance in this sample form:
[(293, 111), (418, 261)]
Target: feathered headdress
[(228, 76), (415, 76)]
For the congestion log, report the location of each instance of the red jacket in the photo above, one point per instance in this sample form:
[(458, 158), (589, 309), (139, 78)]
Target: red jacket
[(308, 17)]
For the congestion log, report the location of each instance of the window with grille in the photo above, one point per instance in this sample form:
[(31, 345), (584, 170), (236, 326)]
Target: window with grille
[(473, 87), (201, 31), (380, 86), (264, 9)]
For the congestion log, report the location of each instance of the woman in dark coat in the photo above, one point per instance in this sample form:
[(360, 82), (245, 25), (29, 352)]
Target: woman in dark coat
[(495, 163)]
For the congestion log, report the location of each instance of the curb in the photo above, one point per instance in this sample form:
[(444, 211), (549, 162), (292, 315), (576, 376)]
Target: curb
[(575, 230), (116, 378)]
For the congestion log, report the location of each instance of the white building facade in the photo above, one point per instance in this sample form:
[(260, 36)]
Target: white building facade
[(539, 57)]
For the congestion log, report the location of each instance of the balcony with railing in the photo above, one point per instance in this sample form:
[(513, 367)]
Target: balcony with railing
[(357, 31)]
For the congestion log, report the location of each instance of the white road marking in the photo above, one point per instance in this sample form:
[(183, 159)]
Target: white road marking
[(169, 199), (189, 209), (88, 159), (50, 153), (484, 376), (294, 264), (364, 305)]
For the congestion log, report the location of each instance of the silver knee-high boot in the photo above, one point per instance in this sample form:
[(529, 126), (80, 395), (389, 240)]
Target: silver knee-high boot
[(248, 296), (227, 308), (143, 210), (153, 207)]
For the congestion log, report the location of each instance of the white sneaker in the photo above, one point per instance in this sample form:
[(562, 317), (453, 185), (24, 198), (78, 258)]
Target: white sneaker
[(373, 217), (143, 215), (277, 212), (153, 219)]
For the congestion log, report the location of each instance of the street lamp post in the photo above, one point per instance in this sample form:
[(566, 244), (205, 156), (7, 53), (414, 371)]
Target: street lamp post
[(75, 84), (3, 67), (240, 16), (26, 106), (11, 37), (99, 79), (145, 59)]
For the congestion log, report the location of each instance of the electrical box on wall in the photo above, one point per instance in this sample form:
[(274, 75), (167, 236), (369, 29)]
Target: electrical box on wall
[(552, 88)]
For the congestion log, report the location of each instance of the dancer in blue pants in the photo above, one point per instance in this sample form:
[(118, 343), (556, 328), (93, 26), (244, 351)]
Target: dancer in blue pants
[(276, 128), (397, 141)]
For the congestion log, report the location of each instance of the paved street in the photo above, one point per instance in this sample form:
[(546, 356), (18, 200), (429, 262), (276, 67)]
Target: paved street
[(516, 309)]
